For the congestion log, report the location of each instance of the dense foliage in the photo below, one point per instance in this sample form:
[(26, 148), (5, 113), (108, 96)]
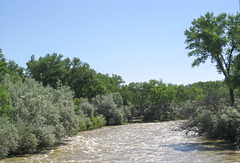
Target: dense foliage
[(112, 108), (40, 115), (83, 80), (213, 114)]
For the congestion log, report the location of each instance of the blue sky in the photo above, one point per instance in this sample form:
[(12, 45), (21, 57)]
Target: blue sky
[(136, 39)]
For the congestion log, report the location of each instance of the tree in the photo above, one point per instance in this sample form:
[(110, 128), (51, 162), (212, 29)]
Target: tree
[(216, 38), (236, 71), (139, 96), (48, 69), (15, 71), (3, 65), (81, 79)]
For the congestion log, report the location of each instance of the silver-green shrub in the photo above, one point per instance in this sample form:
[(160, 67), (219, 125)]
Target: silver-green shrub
[(111, 107), (208, 124), (229, 124), (107, 107), (87, 108), (28, 141), (46, 114), (86, 115), (218, 120), (8, 137)]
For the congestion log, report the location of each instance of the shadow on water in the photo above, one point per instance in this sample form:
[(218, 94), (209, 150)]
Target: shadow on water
[(40, 152), (219, 146)]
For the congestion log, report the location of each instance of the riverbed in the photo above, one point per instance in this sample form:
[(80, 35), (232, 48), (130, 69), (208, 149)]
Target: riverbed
[(140, 142)]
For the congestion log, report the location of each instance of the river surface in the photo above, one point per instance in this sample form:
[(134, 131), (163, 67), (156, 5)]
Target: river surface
[(142, 142)]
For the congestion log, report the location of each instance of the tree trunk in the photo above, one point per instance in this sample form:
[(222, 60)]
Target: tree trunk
[(231, 96)]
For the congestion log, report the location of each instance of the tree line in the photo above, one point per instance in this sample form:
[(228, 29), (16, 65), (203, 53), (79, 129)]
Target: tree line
[(52, 70), (55, 97)]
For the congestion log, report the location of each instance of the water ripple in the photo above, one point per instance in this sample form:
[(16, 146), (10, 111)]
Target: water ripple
[(149, 142)]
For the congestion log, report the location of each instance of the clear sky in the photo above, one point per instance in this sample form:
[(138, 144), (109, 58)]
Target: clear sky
[(136, 39)]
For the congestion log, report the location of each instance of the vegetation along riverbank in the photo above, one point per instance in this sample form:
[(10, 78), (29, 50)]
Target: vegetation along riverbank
[(55, 97)]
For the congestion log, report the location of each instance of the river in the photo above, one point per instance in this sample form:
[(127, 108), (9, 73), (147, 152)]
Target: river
[(142, 142)]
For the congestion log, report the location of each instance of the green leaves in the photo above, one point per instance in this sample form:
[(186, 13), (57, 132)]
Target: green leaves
[(5, 109), (15, 71), (216, 38), (3, 66), (83, 80), (207, 37), (48, 69)]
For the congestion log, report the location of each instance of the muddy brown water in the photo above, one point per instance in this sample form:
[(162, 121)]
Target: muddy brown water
[(142, 142)]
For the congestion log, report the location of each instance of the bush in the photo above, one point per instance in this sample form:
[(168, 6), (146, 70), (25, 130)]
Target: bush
[(117, 98), (28, 141), (97, 122), (87, 109), (8, 137), (229, 124), (42, 115), (106, 106), (215, 118), (224, 125), (208, 124), (89, 123), (110, 106)]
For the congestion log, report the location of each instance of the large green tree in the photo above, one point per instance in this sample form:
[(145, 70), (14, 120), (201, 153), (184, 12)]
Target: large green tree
[(48, 69), (216, 38), (81, 79)]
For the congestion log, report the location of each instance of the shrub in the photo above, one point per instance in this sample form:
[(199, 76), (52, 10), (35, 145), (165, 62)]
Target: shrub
[(208, 124), (45, 114), (97, 122), (28, 141), (88, 123), (224, 125), (87, 109), (8, 137), (110, 106), (83, 123), (229, 124), (215, 118), (117, 98)]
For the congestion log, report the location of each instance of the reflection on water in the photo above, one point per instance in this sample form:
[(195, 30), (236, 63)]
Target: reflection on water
[(145, 142)]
